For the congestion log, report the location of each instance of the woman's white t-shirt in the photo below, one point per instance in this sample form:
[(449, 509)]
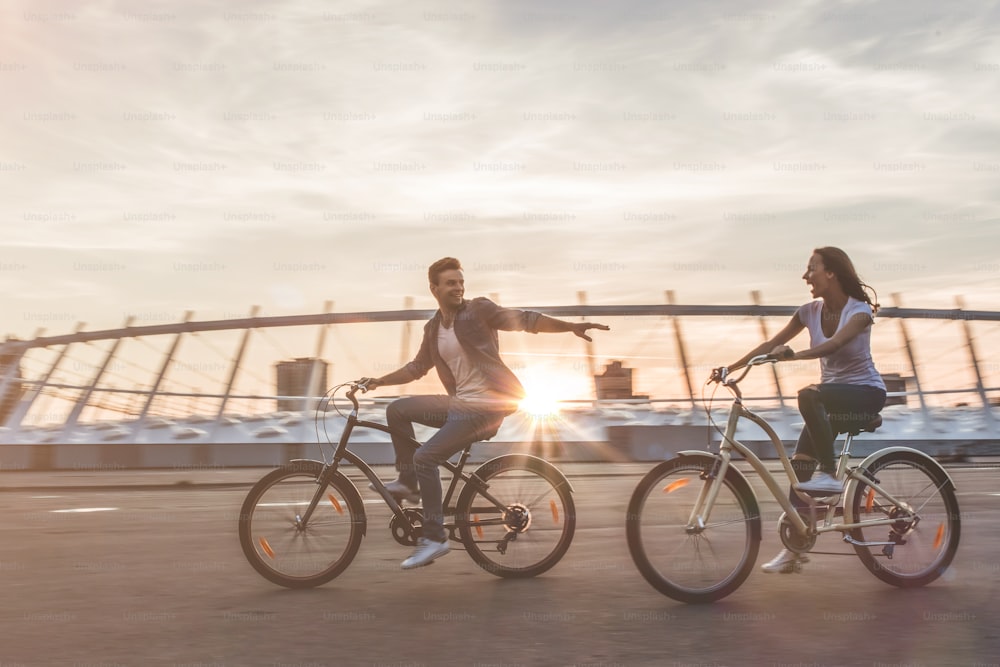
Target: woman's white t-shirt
[(851, 364)]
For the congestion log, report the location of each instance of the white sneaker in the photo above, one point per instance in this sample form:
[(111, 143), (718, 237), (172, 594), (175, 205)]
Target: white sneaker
[(822, 482), (785, 562), (425, 553)]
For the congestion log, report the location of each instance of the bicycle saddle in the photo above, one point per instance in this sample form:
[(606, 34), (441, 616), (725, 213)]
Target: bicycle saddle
[(867, 427)]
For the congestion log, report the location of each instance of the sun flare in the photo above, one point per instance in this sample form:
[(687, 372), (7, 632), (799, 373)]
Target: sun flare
[(545, 392), (540, 405)]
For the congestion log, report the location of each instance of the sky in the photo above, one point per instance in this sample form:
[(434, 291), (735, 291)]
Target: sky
[(163, 157)]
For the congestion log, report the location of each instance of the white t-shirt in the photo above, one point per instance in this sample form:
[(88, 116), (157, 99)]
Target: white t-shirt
[(851, 364), (470, 383)]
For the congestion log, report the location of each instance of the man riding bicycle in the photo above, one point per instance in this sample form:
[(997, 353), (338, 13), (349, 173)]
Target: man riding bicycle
[(461, 343)]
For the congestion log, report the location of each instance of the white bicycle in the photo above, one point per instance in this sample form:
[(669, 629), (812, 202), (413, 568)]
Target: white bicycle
[(694, 527)]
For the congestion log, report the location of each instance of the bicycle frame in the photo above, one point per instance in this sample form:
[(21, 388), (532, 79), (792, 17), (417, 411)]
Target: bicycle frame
[(703, 505), (342, 453), (706, 501)]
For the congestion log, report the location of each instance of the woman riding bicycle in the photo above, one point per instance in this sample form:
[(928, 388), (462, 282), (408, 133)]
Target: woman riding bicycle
[(851, 392)]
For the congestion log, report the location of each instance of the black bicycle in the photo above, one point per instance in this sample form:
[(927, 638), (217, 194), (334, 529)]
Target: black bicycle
[(301, 525)]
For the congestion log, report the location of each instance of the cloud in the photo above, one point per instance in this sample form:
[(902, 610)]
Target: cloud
[(705, 148)]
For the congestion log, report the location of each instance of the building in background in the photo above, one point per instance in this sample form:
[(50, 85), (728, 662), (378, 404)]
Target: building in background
[(305, 377), (615, 383), (895, 382)]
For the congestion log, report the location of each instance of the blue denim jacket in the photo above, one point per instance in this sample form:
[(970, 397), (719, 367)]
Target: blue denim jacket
[(476, 326)]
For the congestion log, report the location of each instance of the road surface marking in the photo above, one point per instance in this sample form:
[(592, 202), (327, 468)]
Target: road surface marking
[(85, 509)]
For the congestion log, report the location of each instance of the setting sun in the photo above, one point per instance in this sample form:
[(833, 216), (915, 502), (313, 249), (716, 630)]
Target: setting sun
[(540, 405), (545, 390)]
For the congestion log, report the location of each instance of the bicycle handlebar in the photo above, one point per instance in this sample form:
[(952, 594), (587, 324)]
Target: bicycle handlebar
[(721, 374), (354, 386)]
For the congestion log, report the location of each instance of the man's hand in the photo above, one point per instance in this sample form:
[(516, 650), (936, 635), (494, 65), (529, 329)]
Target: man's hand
[(580, 329), (367, 384)]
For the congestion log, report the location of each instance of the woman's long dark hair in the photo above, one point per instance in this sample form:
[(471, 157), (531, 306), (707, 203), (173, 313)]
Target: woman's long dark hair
[(837, 262)]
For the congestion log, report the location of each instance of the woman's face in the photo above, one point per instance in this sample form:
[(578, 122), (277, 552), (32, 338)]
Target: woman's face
[(817, 277)]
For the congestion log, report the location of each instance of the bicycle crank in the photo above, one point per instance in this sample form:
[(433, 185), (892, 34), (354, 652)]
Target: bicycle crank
[(407, 533), (791, 537)]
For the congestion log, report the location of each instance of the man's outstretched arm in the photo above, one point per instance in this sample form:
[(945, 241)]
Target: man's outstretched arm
[(546, 324), (509, 319)]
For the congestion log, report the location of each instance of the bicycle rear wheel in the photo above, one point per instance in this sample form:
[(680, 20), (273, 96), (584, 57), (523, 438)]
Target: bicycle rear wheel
[(533, 528), (699, 564), (927, 533), (276, 543)]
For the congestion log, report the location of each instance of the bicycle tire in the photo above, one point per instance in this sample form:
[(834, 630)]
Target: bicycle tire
[(301, 558), (539, 511), (658, 541), (927, 546)]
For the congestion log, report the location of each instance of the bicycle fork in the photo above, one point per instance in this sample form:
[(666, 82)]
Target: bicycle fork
[(302, 520), (715, 476), (706, 497)]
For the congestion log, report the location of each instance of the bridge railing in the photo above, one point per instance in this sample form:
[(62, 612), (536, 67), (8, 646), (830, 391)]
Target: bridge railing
[(138, 373)]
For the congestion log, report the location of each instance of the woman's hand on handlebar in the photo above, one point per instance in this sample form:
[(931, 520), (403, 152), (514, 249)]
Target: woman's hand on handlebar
[(782, 353), (718, 374), (725, 374)]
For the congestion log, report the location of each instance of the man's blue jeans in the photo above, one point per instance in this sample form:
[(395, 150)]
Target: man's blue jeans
[(459, 424)]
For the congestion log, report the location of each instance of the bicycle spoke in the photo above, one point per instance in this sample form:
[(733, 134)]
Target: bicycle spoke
[(689, 566), (925, 535), (286, 552), (535, 526)]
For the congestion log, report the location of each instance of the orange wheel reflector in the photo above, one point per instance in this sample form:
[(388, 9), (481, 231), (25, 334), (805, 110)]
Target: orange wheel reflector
[(479, 529), (939, 538), (673, 486), (555, 511), (336, 503), (870, 500), (266, 547)]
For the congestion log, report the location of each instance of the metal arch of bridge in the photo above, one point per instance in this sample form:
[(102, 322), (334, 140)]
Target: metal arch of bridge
[(16, 349), (14, 346)]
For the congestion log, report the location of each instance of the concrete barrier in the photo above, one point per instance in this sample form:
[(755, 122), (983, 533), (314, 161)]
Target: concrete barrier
[(624, 444)]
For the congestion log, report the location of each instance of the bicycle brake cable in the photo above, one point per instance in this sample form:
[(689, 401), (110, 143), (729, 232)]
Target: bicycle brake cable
[(329, 398), (708, 412), (321, 409), (707, 402)]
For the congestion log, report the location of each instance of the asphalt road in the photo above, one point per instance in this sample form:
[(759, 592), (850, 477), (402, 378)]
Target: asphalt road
[(154, 575)]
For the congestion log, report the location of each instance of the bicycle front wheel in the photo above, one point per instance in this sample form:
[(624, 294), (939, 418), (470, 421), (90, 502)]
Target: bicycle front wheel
[(925, 537), (287, 551), (690, 563), (530, 530)]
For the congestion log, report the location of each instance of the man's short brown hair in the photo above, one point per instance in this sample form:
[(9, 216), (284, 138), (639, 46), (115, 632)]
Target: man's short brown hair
[(442, 265)]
